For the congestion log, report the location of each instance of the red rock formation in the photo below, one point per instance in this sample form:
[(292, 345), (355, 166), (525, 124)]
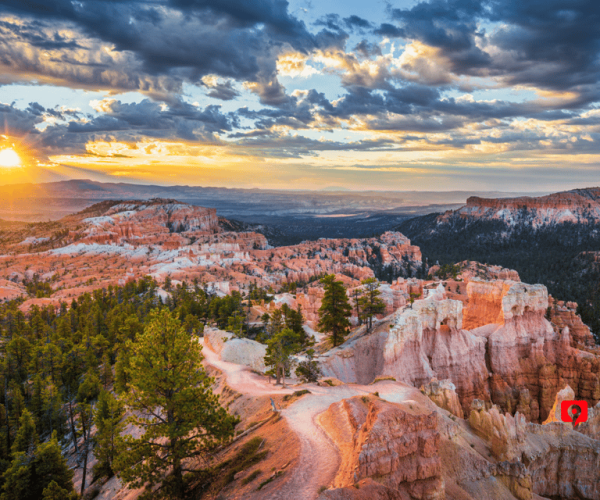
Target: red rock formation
[(443, 394), (564, 315), (564, 200), (392, 443), (511, 356)]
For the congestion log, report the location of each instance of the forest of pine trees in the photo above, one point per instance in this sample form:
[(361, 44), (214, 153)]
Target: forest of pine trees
[(64, 372)]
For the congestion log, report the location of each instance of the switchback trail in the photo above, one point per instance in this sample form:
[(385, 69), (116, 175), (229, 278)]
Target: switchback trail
[(319, 456)]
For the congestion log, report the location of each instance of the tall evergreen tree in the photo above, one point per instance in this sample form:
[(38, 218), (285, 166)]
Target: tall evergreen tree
[(280, 347), (335, 310), (107, 418), (370, 301), (171, 401), (28, 476), (26, 438)]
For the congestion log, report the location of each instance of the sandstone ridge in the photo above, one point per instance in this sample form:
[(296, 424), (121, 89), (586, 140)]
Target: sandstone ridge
[(577, 206)]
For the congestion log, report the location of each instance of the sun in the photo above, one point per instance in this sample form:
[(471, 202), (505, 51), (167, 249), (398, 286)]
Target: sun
[(9, 158)]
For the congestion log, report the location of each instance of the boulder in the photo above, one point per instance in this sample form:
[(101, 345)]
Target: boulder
[(235, 350), (245, 352)]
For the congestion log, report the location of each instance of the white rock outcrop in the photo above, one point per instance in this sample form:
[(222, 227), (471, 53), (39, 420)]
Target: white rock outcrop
[(235, 350), (245, 352)]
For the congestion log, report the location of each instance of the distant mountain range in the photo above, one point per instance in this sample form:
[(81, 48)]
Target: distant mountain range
[(37, 202)]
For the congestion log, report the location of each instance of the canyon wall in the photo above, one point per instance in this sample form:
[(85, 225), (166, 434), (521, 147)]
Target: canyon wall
[(511, 356)]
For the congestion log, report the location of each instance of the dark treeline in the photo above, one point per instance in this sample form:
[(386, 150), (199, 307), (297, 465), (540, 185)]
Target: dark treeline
[(57, 367), (551, 255)]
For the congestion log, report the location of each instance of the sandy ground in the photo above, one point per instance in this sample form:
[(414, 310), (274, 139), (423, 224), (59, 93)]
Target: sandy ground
[(319, 456)]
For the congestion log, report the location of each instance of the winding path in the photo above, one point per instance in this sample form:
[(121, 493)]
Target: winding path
[(319, 456)]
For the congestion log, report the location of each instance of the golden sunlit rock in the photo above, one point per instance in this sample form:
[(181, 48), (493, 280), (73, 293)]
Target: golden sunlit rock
[(9, 158)]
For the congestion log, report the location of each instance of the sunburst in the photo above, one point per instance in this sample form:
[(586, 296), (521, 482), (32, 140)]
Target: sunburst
[(9, 158)]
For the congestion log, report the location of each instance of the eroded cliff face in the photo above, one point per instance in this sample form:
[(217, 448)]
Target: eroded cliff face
[(553, 460), (511, 356), (564, 315), (443, 394), (393, 444), (411, 450), (427, 341)]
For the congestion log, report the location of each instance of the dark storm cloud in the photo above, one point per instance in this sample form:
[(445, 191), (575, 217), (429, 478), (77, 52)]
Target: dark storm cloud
[(433, 112), (552, 44), (18, 122), (181, 40), (356, 22), (413, 107), (367, 49), (223, 91), (389, 30), (450, 25), (84, 63), (272, 13), (331, 22), (119, 122), (32, 35), (285, 146), (336, 23), (298, 112), (557, 43), (182, 121)]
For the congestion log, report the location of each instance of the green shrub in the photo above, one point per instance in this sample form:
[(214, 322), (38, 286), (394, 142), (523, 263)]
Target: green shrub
[(253, 475)]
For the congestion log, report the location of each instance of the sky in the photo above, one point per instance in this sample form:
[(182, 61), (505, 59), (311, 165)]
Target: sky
[(303, 94)]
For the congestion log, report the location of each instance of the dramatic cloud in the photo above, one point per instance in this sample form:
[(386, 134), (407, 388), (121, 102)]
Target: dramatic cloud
[(547, 44), (465, 81), (177, 40)]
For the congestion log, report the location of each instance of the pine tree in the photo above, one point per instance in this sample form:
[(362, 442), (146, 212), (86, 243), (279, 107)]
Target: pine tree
[(107, 418), (54, 492), (294, 320), (335, 310), (309, 370), (26, 438), (54, 417), (122, 369), (28, 476), (85, 421), (171, 401), (107, 375), (280, 347), (192, 325), (370, 301), (90, 387)]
